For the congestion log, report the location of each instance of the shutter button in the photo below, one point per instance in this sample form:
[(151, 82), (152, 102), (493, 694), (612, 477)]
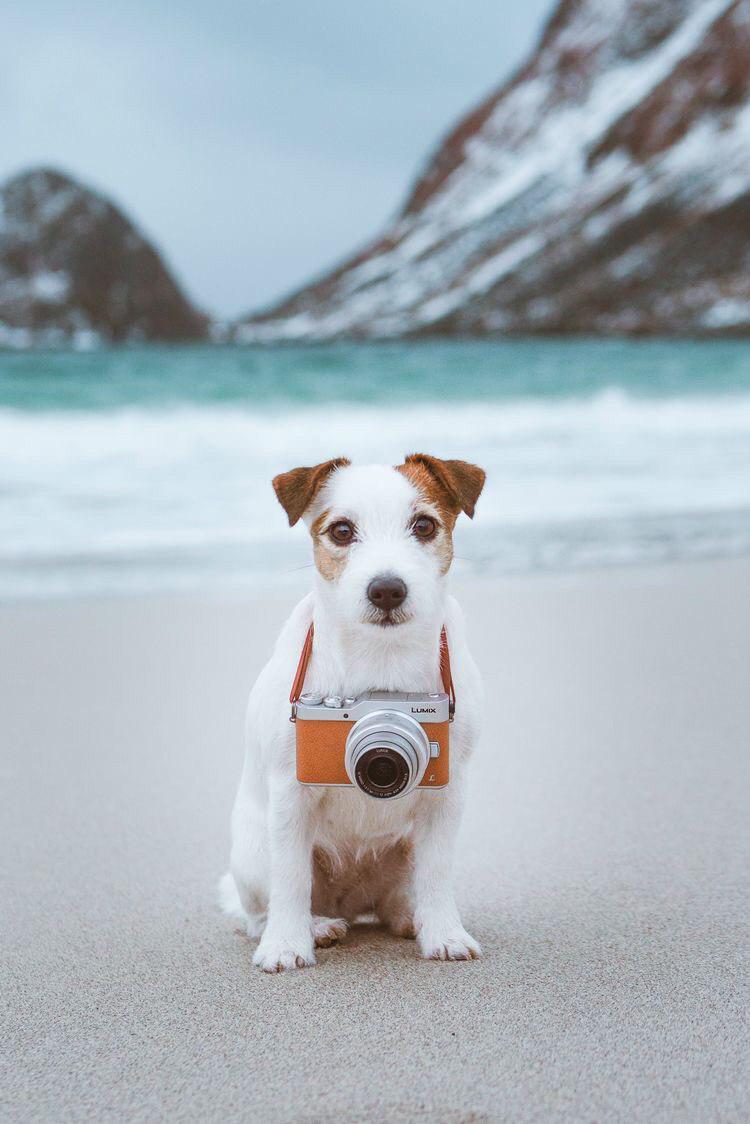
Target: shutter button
[(332, 701)]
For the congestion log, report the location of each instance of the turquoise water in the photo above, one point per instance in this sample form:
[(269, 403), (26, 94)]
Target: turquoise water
[(149, 468), (163, 377)]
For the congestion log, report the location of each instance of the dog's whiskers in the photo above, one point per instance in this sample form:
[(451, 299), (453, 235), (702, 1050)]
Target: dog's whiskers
[(393, 617), (294, 569)]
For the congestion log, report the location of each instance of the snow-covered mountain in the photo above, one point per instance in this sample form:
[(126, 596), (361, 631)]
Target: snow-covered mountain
[(73, 268), (605, 188)]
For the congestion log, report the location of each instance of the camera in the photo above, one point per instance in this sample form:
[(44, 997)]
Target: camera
[(384, 743)]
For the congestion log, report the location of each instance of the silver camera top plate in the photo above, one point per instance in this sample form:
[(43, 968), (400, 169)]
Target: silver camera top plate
[(423, 707)]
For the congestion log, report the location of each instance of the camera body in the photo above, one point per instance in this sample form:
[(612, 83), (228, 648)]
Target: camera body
[(385, 743)]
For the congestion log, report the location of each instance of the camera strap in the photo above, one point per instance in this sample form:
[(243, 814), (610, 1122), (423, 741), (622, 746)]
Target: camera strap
[(304, 659)]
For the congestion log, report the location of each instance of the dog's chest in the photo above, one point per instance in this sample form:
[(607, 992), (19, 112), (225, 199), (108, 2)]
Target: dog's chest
[(346, 818)]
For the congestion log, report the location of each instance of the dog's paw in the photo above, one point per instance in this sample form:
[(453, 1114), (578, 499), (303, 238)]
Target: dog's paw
[(280, 954), (328, 930), (403, 926), (456, 944)]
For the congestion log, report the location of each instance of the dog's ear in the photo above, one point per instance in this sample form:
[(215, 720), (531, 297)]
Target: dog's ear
[(460, 482), (296, 490)]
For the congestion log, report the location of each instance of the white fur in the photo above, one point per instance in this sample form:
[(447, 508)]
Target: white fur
[(336, 851)]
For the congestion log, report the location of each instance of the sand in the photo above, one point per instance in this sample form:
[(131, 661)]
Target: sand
[(603, 865)]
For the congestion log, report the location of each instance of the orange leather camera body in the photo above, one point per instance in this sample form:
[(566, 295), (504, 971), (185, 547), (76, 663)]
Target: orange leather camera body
[(327, 740)]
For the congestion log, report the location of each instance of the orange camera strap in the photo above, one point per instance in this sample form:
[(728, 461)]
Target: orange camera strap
[(446, 674), (299, 679), (445, 670)]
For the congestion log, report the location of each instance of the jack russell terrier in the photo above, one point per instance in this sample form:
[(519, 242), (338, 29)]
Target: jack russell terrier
[(353, 806)]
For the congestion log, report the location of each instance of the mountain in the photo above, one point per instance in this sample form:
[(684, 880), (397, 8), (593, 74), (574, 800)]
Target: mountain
[(74, 268), (604, 189)]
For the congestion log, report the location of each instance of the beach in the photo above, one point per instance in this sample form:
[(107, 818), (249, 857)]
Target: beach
[(603, 865)]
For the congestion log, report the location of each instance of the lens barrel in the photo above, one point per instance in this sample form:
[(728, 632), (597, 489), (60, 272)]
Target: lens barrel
[(386, 754)]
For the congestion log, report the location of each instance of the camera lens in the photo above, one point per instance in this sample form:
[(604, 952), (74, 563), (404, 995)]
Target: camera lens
[(382, 772), (386, 754)]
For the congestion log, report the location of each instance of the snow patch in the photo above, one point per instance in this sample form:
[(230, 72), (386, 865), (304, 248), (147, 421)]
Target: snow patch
[(727, 313), (48, 286)]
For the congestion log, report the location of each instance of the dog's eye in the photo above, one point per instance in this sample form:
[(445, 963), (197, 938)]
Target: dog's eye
[(342, 532), (424, 527)]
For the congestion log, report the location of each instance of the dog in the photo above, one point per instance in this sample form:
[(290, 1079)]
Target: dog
[(306, 862)]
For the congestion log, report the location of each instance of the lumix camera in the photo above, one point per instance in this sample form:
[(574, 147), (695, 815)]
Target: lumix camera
[(385, 743)]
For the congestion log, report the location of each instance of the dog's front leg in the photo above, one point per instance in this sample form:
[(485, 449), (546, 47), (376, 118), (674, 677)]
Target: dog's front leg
[(287, 940), (440, 934)]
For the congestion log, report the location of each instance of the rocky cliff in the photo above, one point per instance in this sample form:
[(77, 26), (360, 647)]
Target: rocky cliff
[(605, 188), (73, 268)]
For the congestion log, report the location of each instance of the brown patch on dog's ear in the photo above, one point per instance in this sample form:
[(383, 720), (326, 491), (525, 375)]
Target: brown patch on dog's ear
[(459, 483), (295, 490)]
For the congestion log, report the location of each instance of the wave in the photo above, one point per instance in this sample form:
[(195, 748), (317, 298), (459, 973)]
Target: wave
[(312, 425), (607, 475)]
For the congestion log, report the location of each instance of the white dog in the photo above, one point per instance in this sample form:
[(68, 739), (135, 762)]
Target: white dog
[(307, 861)]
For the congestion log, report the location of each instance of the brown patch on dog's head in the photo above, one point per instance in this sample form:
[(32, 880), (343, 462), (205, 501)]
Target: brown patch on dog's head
[(296, 490), (450, 487)]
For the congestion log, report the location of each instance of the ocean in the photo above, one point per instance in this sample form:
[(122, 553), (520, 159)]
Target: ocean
[(148, 469)]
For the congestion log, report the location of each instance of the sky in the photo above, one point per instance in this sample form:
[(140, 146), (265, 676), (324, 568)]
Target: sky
[(255, 141)]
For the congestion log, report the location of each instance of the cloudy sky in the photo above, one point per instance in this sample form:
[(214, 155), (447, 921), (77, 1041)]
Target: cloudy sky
[(257, 141)]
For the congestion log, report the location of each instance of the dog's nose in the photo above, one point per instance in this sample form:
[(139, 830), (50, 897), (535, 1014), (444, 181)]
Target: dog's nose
[(386, 592)]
